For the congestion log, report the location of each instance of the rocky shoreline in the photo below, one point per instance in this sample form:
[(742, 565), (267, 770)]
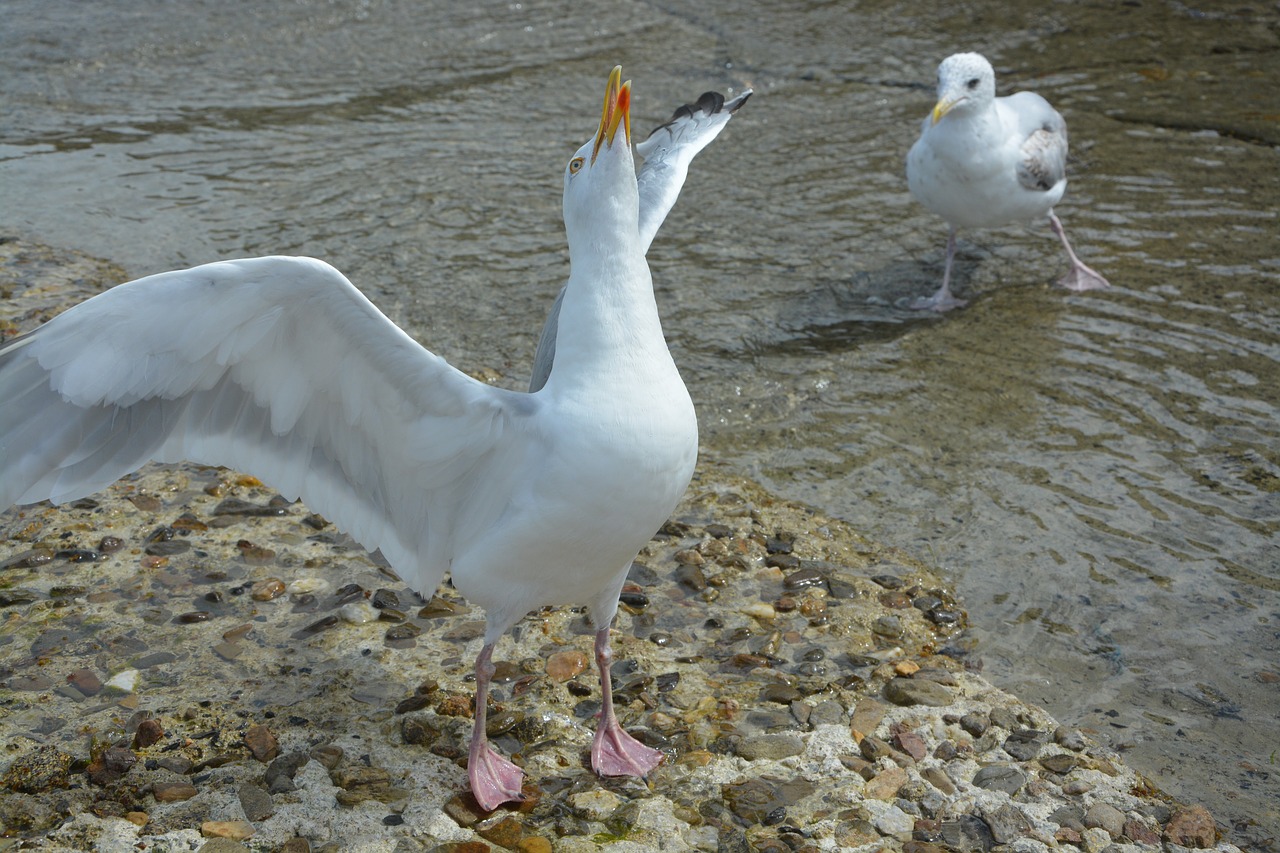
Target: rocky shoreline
[(189, 662)]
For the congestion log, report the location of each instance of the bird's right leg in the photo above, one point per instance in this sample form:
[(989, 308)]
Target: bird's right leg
[(943, 300), (494, 779)]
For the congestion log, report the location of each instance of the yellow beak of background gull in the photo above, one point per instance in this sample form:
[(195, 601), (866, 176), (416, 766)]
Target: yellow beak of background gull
[(617, 111), (942, 108)]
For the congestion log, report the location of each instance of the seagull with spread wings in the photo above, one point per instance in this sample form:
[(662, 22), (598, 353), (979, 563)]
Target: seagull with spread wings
[(279, 366)]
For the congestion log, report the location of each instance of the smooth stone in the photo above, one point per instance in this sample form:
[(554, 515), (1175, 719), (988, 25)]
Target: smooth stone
[(966, 833), (124, 681), (1107, 817), (894, 821), (886, 784), (911, 691), (236, 830), (1024, 744), (1008, 824), (256, 802), (1000, 777), (770, 746), (597, 804)]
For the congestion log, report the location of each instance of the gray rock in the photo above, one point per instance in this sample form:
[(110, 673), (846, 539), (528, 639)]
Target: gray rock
[(828, 712), (770, 747), (967, 833), (1000, 777), (1068, 738), (255, 802), (912, 691), (1025, 744), (1105, 816), (1008, 824), (1070, 817), (223, 845)]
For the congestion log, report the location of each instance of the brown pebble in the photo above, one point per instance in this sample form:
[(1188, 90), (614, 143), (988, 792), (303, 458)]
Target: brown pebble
[(255, 555), (534, 844), (562, 666), (507, 832), (149, 731), (886, 784), (267, 590), (912, 744), (150, 561), (146, 503), (86, 681), (110, 544), (689, 557), (236, 830), (237, 633), (261, 743), (137, 818), (173, 792), (1191, 827), (455, 705)]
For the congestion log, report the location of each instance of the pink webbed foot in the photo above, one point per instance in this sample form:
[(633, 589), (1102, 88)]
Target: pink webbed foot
[(494, 779), (940, 302), (1081, 278), (616, 753)]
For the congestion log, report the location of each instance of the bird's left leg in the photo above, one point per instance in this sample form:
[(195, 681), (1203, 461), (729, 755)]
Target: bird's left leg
[(1079, 277), (613, 751), (494, 779)]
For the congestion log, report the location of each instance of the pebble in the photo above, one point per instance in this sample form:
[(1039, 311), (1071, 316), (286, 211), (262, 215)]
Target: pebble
[(913, 691), (564, 665), (1024, 744), (86, 681), (894, 821), (255, 802), (1000, 777), (124, 681), (173, 792), (1192, 826), (768, 747), (886, 784), (262, 744), (597, 804), (358, 612), (267, 590), (1007, 824), (236, 830), (762, 610)]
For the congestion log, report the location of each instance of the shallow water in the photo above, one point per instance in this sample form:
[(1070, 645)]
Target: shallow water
[(1099, 473)]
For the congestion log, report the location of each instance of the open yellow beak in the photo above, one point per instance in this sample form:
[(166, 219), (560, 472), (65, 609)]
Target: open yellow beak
[(942, 108), (617, 111)]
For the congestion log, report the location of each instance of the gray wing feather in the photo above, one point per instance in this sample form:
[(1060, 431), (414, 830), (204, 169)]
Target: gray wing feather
[(1044, 148)]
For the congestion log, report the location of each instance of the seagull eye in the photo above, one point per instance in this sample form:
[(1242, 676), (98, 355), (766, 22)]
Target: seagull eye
[(973, 84), (574, 165)]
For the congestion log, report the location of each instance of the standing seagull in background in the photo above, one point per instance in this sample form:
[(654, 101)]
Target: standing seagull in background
[(667, 154), (983, 161), (279, 366)]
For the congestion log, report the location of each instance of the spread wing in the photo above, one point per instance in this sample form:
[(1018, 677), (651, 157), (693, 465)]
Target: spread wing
[(667, 153), (277, 366), (1044, 133)]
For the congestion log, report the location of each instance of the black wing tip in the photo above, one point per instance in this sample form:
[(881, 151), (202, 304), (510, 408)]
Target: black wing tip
[(708, 103)]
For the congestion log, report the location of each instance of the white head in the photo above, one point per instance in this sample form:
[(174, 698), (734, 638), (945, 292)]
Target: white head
[(966, 83), (600, 193)]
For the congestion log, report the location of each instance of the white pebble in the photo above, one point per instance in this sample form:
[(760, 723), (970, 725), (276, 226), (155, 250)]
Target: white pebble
[(124, 681), (358, 612), (305, 585), (760, 610)]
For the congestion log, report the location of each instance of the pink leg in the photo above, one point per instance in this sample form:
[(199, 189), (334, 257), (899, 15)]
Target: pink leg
[(494, 779), (613, 751), (942, 300), (1079, 277)]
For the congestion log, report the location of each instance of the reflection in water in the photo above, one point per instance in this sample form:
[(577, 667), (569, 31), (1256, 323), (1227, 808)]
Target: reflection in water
[(1099, 473)]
